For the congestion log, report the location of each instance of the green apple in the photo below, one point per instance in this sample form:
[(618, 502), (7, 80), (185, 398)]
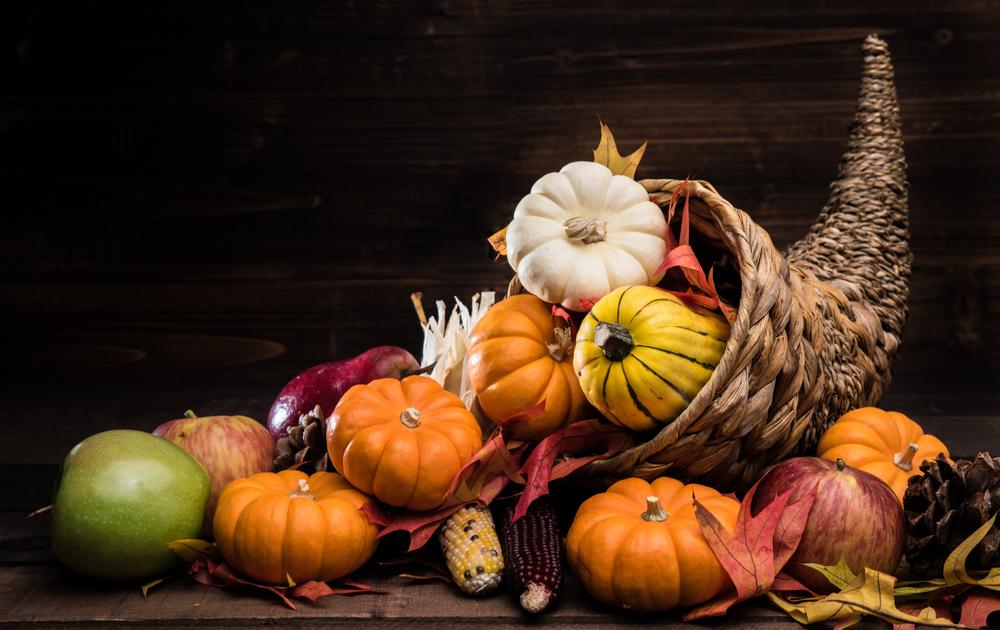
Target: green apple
[(124, 495)]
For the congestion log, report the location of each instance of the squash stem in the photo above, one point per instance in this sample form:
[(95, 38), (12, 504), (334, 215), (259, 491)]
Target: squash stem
[(614, 340), (586, 229), (303, 491), (410, 417), (654, 511), (563, 345), (904, 460)]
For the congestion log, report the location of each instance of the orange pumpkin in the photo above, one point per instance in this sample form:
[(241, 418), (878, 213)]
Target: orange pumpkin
[(886, 444), (402, 441), (275, 526), (520, 357), (639, 545)]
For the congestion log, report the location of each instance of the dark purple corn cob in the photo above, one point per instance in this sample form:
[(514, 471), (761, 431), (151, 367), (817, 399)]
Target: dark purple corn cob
[(533, 549)]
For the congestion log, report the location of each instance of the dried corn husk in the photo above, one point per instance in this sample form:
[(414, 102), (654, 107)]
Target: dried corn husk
[(446, 337)]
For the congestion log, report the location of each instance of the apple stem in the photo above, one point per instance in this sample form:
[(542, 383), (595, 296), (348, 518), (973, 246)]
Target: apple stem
[(418, 371), (410, 417), (905, 459), (654, 511), (190, 414), (303, 491), (841, 465)]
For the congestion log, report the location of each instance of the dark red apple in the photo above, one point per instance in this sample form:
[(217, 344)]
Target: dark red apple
[(324, 384), (855, 515)]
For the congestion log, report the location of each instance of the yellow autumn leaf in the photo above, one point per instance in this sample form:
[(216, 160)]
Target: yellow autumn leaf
[(499, 241), (148, 586), (954, 571), (871, 593), (607, 154), (191, 548), (840, 574)]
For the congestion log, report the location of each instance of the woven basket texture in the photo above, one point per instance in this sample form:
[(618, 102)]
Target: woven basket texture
[(817, 327)]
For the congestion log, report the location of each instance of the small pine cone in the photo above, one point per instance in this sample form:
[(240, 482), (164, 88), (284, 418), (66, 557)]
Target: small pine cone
[(946, 504), (304, 448), (533, 548)]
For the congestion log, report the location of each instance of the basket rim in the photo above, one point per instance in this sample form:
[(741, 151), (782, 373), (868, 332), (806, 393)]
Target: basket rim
[(731, 222)]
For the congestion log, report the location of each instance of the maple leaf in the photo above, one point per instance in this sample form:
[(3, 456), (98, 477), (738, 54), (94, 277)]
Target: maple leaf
[(498, 241), (871, 593), (314, 590), (480, 479), (954, 571), (758, 548), (840, 574), (579, 437), (607, 154), (977, 607)]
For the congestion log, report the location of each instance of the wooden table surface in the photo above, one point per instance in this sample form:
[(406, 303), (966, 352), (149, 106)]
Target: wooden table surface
[(201, 202)]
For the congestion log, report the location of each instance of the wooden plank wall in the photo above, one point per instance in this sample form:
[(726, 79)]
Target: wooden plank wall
[(201, 202)]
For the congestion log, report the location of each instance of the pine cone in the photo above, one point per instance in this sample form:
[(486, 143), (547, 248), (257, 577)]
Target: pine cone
[(946, 504), (304, 448)]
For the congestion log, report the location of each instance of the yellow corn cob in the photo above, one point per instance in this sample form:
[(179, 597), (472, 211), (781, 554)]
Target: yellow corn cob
[(472, 549)]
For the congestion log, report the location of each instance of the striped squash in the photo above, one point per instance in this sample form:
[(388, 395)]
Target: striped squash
[(642, 355)]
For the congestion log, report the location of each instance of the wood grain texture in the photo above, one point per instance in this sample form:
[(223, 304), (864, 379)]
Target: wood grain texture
[(198, 205)]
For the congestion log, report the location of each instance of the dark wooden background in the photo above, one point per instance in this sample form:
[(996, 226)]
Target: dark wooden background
[(199, 203)]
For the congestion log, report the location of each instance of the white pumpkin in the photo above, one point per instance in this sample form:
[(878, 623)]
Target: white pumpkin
[(582, 233)]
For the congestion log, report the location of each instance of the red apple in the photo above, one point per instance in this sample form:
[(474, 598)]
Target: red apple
[(227, 447), (855, 515), (324, 384)]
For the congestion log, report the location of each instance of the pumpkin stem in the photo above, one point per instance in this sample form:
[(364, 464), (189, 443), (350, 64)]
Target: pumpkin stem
[(410, 417), (654, 511), (563, 345), (303, 491), (190, 414), (614, 340), (905, 459), (586, 229)]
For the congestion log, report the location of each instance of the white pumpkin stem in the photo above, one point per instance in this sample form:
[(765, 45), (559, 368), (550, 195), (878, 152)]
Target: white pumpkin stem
[(586, 229), (654, 511), (904, 460), (563, 345), (410, 417), (303, 491), (614, 340)]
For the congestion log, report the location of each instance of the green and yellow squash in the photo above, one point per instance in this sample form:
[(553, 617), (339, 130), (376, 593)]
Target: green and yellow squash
[(642, 355)]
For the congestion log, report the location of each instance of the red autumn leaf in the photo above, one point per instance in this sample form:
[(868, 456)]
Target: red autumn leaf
[(419, 525), (313, 590), (977, 606), (756, 551), (481, 479), (221, 575), (579, 437), (524, 415), (784, 583)]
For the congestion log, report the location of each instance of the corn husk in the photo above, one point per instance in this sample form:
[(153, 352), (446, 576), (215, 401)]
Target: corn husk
[(446, 337)]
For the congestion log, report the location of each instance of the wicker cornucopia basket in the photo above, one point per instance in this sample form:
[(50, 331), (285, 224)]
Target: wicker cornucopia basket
[(817, 327)]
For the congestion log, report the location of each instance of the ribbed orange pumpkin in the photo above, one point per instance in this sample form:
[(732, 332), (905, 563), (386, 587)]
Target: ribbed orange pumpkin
[(639, 545), (403, 441), (886, 444), (521, 356), (275, 526)]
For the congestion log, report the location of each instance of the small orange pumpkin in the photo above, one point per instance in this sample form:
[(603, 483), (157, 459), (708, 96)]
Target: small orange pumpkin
[(275, 526), (402, 441), (639, 545), (886, 444), (521, 356)]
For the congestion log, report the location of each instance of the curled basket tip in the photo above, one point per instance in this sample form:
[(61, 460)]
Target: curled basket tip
[(816, 332)]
